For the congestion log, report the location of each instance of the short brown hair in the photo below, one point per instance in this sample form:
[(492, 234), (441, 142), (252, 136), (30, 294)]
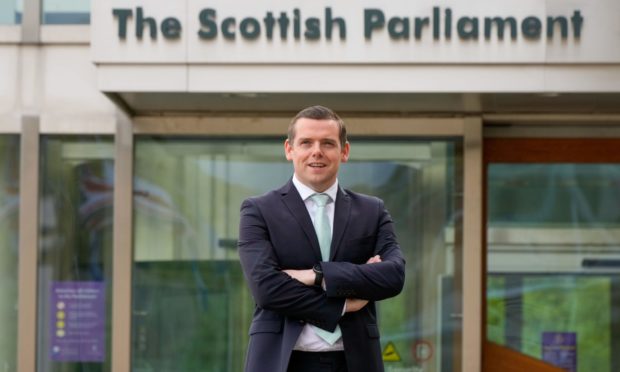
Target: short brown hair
[(318, 113)]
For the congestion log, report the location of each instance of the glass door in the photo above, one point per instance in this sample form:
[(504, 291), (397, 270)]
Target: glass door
[(191, 306), (552, 255)]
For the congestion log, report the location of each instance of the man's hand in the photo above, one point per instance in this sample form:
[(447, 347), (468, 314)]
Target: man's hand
[(374, 259), (304, 276), (354, 304)]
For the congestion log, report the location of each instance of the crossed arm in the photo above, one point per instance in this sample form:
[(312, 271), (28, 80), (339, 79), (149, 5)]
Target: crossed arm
[(291, 293), (307, 277)]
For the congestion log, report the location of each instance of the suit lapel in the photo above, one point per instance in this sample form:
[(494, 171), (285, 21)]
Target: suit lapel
[(296, 206), (341, 219)]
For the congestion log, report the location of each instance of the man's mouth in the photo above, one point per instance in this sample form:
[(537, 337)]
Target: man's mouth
[(317, 165)]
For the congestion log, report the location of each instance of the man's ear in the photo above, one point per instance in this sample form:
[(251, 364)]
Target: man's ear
[(344, 155), (288, 149)]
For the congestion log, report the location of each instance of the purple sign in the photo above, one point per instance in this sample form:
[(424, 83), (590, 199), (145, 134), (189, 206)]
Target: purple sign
[(77, 321), (560, 349)]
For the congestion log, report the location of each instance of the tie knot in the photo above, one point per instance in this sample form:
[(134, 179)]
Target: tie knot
[(321, 200)]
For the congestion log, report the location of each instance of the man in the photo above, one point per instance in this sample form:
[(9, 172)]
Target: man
[(316, 258)]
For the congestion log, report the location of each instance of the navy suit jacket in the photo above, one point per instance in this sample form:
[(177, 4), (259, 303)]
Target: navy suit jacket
[(276, 233)]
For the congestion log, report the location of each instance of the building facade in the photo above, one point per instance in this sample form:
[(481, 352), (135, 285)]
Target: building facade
[(130, 132)]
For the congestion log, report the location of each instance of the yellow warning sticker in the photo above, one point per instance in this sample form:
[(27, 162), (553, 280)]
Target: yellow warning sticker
[(390, 354)]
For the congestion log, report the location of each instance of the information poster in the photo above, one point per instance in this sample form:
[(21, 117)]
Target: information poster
[(77, 321), (560, 349)]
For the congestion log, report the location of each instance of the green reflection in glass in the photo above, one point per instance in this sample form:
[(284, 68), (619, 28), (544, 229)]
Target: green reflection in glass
[(75, 246), (496, 308), (9, 215), (569, 304), (66, 12), (554, 303), (191, 305), (11, 12)]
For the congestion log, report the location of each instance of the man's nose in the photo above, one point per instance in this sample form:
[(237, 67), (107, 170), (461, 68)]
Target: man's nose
[(316, 149)]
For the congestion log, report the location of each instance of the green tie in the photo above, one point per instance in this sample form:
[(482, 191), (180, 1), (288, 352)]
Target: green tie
[(321, 224), (324, 235)]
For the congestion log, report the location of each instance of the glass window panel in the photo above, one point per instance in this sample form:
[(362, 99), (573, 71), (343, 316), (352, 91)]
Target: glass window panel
[(9, 216), (554, 262), (191, 305), (11, 12), (75, 253), (66, 12), (558, 195)]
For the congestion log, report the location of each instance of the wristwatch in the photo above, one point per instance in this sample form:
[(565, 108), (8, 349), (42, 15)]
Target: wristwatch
[(318, 272)]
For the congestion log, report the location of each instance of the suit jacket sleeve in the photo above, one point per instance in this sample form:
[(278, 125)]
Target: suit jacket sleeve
[(270, 287), (375, 281)]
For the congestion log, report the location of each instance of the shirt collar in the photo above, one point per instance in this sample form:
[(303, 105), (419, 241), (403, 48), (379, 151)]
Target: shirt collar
[(305, 192)]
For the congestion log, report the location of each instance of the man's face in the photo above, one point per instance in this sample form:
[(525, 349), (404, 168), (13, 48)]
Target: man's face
[(316, 152)]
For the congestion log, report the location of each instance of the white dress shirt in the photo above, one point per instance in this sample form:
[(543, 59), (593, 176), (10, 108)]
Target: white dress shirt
[(308, 340)]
